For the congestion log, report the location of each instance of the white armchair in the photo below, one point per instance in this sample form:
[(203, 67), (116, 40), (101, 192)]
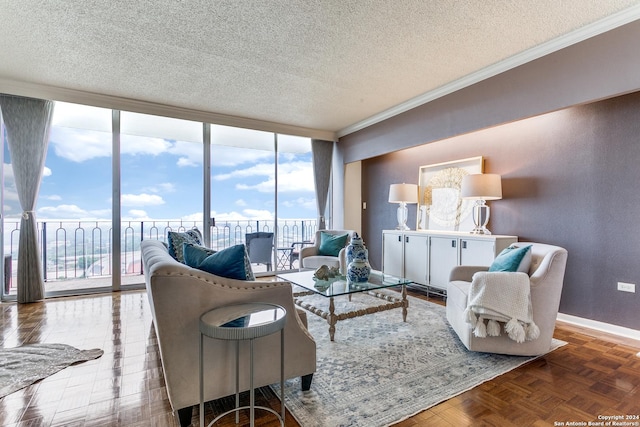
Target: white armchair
[(312, 258), (546, 276)]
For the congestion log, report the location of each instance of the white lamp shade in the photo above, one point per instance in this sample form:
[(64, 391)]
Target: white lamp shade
[(407, 193), (484, 186)]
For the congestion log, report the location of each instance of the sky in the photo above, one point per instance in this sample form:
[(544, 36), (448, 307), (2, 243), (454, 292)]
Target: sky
[(162, 171)]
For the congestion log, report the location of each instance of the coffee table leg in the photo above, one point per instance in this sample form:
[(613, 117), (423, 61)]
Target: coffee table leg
[(332, 318), (405, 303)]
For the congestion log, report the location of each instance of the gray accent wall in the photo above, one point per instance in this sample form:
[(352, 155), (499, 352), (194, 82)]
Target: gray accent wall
[(564, 133), (570, 178)]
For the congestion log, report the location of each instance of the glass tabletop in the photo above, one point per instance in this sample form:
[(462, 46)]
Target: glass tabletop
[(339, 285)]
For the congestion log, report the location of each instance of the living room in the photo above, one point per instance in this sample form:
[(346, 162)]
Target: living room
[(561, 132)]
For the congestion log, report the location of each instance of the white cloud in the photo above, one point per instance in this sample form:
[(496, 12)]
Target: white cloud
[(136, 145), (301, 202), (258, 214), (53, 197), (102, 213), (260, 169), (244, 215), (138, 214), (72, 212), (80, 145), (232, 156), (241, 202), (46, 171), (190, 153), (186, 162), (196, 217), (292, 177), (10, 194), (141, 200), (165, 187)]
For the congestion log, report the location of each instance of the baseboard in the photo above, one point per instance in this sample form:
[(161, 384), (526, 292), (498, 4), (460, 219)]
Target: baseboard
[(600, 326)]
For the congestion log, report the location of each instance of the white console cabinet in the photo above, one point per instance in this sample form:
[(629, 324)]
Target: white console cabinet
[(426, 257)]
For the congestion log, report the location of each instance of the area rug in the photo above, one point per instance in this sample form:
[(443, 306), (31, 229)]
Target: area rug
[(379, 370), (22, 366)]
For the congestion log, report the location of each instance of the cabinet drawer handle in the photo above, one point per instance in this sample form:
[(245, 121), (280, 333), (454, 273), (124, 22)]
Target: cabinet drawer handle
[(399, 238), (453, 243), (406, 239), (464, 244)]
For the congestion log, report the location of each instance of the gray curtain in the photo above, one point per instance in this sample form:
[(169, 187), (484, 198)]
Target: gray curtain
[(322, 154), (27, 123)]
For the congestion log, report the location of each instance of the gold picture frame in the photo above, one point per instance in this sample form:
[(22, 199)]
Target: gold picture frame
[(439, 204)]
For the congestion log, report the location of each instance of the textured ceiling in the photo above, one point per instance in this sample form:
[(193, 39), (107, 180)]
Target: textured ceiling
[(323, 65)]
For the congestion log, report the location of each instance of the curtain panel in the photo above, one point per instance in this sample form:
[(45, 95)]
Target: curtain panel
[(322, 155), (28, 123)]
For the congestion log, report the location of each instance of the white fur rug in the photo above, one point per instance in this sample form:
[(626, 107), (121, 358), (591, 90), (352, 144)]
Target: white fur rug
[(22, 366)]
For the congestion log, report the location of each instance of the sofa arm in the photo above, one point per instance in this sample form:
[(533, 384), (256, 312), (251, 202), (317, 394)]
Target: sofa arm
[(465, 272)]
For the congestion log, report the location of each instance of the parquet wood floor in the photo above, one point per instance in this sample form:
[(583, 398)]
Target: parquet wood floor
[(594, 375)]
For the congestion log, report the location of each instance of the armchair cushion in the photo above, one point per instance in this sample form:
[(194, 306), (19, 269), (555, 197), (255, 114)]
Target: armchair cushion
[(331, 244), (513, 259)]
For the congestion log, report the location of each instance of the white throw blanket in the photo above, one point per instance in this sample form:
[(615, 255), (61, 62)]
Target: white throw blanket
[(501, 297)]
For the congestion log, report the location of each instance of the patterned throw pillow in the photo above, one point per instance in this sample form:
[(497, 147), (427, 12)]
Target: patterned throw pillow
[(229, 262), (331, 244), (513, 258), (247, 265), (176, 240)]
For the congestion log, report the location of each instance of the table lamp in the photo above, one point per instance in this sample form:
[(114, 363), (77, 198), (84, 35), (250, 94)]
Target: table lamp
[(403, 194), (481, 187)]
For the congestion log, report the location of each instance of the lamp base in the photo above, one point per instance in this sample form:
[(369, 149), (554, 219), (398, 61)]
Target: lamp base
[(480, 230), (402, 214), (481, 213)]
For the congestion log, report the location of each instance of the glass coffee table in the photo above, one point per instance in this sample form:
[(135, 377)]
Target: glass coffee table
[(339, 286)]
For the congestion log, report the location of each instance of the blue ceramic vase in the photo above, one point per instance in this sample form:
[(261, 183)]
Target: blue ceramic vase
[(358, 268)]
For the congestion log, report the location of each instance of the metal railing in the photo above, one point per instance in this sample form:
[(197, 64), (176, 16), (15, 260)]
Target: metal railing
[(82, 249)]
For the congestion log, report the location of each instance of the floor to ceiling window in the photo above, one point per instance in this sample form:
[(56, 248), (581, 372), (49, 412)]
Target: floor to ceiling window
[(161, 182), (73, 210), (296, 198), (259, 182), (242, 185)]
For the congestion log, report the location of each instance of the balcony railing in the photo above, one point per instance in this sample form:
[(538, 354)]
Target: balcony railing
[(83, 249)]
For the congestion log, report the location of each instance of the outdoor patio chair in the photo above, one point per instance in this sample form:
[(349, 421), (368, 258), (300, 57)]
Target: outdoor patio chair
[(260, 248)]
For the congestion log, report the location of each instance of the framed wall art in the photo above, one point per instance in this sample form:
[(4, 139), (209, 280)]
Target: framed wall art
[(439, 204)]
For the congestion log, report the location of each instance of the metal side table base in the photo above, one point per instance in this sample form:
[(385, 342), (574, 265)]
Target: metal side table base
[(239, 323)]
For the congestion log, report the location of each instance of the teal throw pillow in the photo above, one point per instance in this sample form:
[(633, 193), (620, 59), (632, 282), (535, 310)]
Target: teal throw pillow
[(331, 244), (195, 254), (176, 240), (513, 258), (229, 262)]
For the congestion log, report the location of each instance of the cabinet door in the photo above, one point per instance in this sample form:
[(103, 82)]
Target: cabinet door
[(415, 258), (443, 256), (392, 254), (477, 252)]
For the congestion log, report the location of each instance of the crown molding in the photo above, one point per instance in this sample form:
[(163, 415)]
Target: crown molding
[(599, 27), (33, 90)]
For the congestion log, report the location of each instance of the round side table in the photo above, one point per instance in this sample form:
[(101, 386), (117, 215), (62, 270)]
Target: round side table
[(239, 323)]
